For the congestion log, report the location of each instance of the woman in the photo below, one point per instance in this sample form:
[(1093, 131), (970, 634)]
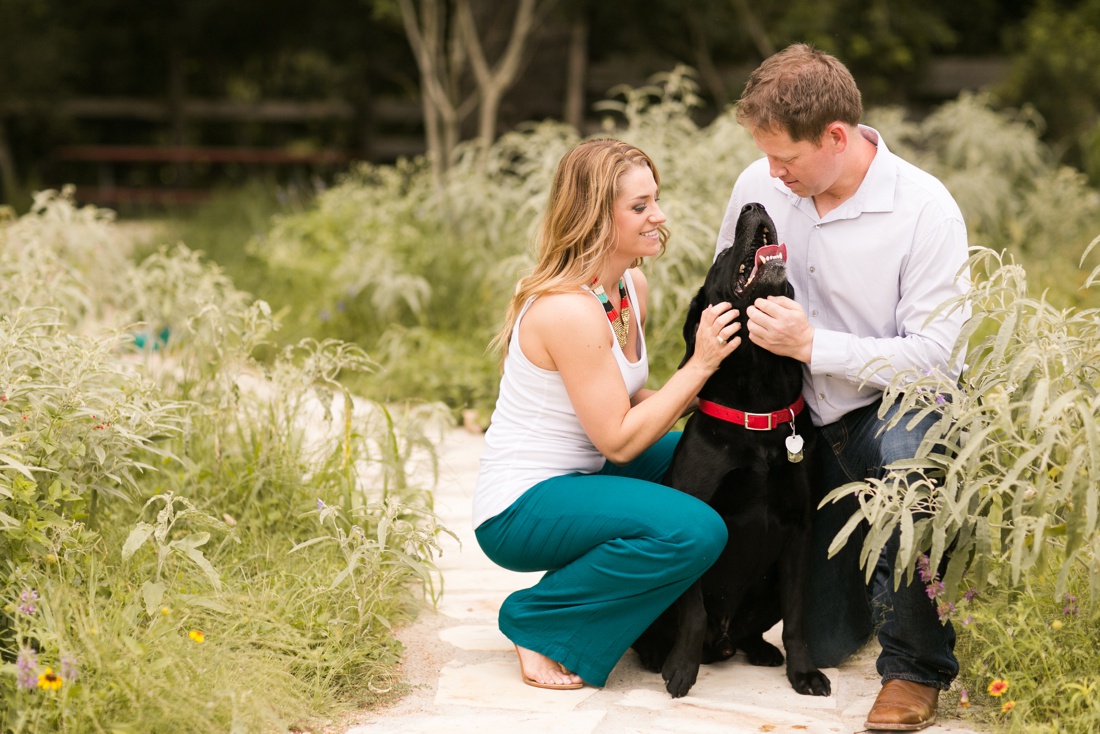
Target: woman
[(569, 478)]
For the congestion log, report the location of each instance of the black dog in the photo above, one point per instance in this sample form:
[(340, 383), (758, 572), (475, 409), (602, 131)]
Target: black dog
[(761, 478)]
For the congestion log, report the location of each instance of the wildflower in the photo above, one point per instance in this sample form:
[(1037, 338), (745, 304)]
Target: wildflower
[(69, 669), (940, 399), (320, 504), (1056, 625), (924, 568), (997, 687), (165, 611), (28, 597), (196, 635), (50, 681), (970, 594), (1071, 607), (26, 667), (968, 621), (1008, 706), (964, 699)]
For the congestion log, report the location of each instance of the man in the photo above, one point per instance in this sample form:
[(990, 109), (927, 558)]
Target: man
[(875, 245)]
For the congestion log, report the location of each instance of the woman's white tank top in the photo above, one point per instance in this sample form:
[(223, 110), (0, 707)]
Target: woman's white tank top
[(535, 433)]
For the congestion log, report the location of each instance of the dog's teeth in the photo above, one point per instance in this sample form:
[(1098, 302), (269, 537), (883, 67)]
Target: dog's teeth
[(741, 270)]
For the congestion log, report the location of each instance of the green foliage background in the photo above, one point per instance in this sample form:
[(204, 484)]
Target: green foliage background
[(176, 456), (422, 276), (192, 539)]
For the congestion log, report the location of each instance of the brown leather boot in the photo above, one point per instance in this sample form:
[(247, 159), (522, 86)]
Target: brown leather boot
[(903, 705)]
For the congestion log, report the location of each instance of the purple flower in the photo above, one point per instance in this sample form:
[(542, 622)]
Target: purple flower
[(26, 666), (970, 594), (940, 399), (28, 597), (1071, 607), (925, 569), (69, 669), (320, 504)]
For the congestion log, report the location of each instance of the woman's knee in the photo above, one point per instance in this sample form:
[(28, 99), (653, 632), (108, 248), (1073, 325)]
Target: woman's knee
[(701, 536)]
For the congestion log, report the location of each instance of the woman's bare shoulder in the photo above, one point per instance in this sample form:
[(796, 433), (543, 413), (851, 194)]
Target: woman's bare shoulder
[(558, 307)]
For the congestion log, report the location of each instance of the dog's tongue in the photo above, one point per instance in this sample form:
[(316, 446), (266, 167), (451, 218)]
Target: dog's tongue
[(764, 253), (771, 251)]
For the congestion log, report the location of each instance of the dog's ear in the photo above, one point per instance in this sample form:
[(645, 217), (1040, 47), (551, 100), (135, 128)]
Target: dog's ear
[(691, 324)]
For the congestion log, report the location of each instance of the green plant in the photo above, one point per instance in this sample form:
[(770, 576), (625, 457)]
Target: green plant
[(1009, 508), (239, 635)]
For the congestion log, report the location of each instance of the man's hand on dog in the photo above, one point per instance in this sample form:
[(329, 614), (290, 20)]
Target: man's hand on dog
[(779, 325)]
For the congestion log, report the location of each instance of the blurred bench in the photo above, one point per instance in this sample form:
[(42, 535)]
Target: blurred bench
[(109, 158)]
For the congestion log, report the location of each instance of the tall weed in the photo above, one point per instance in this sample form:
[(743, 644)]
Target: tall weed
[(163, 564), (1004, 492)]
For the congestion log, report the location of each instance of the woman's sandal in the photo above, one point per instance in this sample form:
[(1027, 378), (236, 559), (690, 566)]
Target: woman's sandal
[(551, 686)]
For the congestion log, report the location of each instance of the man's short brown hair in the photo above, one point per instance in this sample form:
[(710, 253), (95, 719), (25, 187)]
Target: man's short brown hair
[(801, 91)]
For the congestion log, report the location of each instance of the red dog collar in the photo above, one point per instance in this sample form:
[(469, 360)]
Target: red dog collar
[(753, 421)]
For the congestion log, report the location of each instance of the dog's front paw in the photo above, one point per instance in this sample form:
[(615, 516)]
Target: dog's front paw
[(679, 678), (810, 682), (761, 652), (650, 658)]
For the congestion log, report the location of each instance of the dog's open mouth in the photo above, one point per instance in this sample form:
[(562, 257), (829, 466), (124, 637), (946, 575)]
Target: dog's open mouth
[(764, 255)]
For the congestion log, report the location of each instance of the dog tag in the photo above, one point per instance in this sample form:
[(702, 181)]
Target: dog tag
[(794, 448)]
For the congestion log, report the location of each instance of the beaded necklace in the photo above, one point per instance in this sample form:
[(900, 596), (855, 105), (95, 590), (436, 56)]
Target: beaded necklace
[(620, 319)]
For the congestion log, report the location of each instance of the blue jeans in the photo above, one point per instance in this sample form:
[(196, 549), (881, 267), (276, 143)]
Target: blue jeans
[(842, 610)]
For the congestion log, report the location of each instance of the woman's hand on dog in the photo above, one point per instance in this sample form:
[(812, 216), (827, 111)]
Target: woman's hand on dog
[(715, 336)]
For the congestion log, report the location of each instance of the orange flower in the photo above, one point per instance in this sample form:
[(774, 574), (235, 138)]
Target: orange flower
[(198, 636), (1008, 706), (997, 687)]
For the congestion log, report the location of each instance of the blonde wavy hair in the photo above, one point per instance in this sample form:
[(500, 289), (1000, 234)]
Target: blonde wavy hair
[(577, 234)]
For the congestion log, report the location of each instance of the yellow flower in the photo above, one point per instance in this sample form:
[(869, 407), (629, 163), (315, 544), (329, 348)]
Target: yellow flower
[(1008, 706), (165, 611), (997, 687), (49, 680), (1056, 625), (196, 635)]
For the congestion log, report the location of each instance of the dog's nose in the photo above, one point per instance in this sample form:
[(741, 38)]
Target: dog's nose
[(750, 207)]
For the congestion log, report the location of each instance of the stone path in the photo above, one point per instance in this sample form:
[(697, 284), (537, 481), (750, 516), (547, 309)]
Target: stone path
[(465, 677)]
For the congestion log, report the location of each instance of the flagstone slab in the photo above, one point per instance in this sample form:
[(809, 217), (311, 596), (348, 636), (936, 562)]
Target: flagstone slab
[(698, 714), (570, 722), (497, 685), (489, 579), (466, 605), (476, 637)]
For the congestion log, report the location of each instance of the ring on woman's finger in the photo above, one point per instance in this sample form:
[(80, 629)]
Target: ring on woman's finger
[(720, 339)]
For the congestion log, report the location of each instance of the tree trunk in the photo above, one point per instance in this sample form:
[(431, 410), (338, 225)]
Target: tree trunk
[(754, 28), (439, 59), (577, 73), (703, 61), (493, 83), (9, 181)]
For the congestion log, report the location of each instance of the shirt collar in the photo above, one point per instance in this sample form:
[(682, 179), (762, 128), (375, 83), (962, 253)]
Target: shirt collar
[(875, 194)]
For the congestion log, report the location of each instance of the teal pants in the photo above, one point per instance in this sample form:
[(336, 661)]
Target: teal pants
[(618, 549)]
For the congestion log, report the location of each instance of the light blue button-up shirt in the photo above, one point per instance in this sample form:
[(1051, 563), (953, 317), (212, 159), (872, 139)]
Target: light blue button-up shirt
[(869, 275)]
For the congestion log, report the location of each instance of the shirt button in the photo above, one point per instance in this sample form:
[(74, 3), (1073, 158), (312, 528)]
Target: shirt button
[(817, 226), (815, 312), (821, 396), (812, 268)]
